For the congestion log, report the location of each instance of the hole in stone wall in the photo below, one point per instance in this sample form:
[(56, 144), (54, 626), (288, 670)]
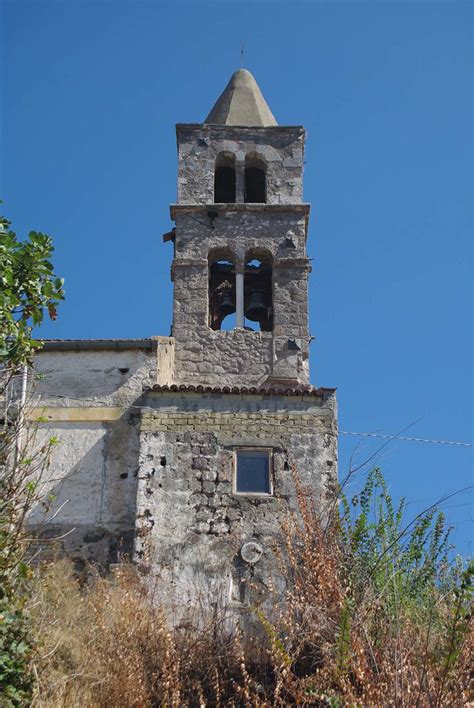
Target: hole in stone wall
[(238, 582), (224, 179), (163, 461)]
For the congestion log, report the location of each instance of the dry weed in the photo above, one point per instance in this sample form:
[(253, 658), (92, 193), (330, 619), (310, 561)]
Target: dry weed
[(337, 639)]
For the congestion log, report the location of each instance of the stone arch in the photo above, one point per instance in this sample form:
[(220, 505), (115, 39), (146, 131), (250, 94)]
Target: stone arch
[(255, 178), (224, 178), (258, 288), (222, 295)]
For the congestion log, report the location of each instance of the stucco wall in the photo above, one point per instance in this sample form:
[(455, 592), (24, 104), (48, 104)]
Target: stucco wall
[(89, 376), (90, 395)]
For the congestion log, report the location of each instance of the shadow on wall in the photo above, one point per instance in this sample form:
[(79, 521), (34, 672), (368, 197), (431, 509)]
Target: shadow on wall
[(89, 491)]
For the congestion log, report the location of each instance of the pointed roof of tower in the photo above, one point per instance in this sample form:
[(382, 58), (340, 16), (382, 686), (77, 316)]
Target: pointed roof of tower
[(241, 103)]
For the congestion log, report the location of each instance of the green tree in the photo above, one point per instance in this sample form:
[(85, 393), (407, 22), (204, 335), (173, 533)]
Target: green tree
[(29, 291)]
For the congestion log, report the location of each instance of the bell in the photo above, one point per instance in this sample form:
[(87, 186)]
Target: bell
[(226, 305), (257, 310)]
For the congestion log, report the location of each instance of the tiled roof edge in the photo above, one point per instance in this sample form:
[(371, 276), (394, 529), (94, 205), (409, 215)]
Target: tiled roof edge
[(248, 390)]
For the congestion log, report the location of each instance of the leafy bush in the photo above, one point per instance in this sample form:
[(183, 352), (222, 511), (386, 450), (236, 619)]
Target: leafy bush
[(15, 654), (404, 562)]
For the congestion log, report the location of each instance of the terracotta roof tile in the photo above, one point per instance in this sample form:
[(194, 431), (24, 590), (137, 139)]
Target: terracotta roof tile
[(248, 390)]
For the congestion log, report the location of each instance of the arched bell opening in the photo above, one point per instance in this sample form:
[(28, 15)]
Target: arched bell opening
[(224, 179), (221, 289), (255, 179), (258, 291)]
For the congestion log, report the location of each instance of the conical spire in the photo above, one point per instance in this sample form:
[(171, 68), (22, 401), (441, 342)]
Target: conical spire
[(241, 103)]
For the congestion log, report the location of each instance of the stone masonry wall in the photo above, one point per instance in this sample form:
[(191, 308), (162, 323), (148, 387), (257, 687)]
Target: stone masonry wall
[(241, 357), (191, 526), (282, 149)]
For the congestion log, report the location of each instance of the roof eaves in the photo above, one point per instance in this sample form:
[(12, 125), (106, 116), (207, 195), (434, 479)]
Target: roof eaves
[(95, 344), (320, 392)]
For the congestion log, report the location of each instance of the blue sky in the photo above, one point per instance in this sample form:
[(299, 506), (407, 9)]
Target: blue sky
[(91, 94)]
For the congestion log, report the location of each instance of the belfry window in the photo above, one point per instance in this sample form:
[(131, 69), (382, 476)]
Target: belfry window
[(224, 179), (255, 180), (258, 307), (221, 290)]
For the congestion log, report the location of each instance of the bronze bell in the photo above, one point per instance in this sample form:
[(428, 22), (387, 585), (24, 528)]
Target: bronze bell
[(257, 309), (225, 304)]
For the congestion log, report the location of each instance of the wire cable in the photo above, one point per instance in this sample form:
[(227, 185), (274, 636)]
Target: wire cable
[(406, 437)]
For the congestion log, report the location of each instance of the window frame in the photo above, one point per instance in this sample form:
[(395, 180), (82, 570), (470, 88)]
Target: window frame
[(253, 448)]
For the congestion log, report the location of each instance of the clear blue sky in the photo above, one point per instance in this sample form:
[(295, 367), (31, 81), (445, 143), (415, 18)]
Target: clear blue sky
[(91, 94)]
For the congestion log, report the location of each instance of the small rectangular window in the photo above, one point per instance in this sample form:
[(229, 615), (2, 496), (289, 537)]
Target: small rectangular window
[(252, 471)]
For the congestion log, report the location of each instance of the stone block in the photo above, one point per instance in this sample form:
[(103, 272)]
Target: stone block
[(200, 463)]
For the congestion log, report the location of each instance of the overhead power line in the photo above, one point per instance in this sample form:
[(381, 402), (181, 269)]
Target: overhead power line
[(410, 439)]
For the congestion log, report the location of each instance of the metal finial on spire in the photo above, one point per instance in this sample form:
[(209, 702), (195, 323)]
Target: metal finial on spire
[(242, 56)]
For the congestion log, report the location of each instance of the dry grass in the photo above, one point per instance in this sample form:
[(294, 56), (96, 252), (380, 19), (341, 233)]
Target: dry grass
[(108, 644), (333, 642)]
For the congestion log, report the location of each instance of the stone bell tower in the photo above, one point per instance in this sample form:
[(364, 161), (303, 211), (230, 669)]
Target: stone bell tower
[(218, 444), (240, 270)]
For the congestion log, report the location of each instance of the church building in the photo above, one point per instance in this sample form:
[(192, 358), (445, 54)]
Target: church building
[(178, 453)]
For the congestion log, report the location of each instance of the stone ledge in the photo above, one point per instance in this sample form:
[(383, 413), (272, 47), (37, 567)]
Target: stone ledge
[(241, 129), (246, 207)]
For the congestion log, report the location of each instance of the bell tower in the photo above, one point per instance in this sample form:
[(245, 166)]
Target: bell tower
[(240, 267), (220, 442)]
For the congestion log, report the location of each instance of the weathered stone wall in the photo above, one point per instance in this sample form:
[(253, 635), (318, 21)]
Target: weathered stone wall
[(191, 527), (90, 395), (241, 357), (281, 148)]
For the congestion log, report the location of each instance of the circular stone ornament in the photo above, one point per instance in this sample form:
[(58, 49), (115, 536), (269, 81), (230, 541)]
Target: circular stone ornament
[(251, 552)]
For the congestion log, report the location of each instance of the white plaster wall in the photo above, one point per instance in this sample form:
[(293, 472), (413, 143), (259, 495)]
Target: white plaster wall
[(75, 473), (91, 399)]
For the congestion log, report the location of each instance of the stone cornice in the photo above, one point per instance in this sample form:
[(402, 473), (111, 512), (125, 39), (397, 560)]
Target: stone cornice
[(303, 209), (242, 129)]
